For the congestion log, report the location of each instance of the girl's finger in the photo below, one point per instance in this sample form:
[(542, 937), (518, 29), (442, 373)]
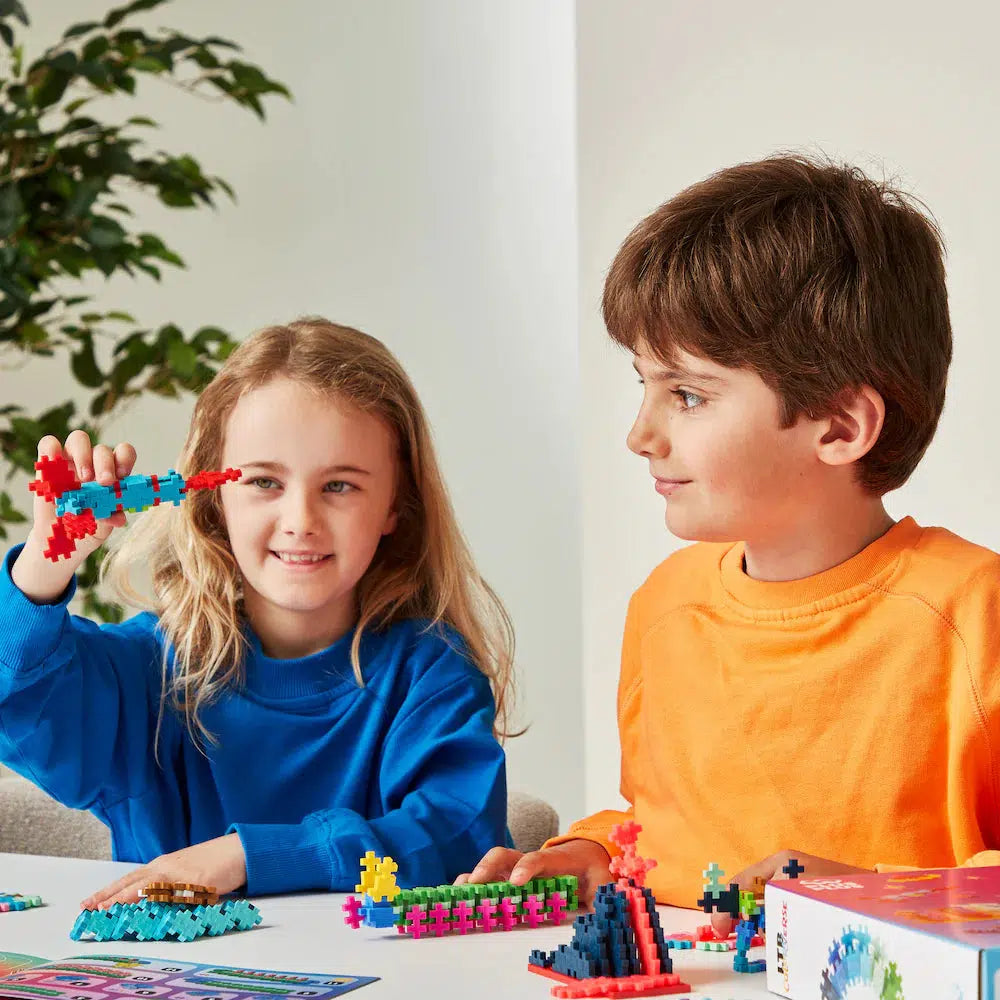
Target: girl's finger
[(79, 450), (136, 875), (104, 464), (130, 894), (124, 459), (49, 447)]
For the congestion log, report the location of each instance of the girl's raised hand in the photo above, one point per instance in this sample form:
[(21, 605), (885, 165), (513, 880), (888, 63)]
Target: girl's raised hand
[(38, 577)]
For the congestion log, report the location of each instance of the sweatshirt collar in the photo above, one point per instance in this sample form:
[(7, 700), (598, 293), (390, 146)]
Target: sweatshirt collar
[(860, 573), (324, 672)]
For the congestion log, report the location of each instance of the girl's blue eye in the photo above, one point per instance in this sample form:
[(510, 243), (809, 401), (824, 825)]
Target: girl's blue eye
[(263, 482), (339, 486)]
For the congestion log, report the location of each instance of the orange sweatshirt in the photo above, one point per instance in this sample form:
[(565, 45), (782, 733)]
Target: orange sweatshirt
[(853, 715)]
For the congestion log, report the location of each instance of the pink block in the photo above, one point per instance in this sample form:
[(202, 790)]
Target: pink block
[(351, 907), (508, 914), (463, 919), (557, 907), (418, 918), (439, 919), (486, 919), (534, 911)]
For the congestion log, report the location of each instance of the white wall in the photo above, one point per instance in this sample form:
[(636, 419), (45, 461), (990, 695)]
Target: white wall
[(669, 92), (422, 187)]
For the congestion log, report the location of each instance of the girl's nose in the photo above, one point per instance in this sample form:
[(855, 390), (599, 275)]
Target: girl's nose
[(299, 513)]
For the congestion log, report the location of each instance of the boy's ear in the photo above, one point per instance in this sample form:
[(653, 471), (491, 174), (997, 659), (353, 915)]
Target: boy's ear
[(851, 431)]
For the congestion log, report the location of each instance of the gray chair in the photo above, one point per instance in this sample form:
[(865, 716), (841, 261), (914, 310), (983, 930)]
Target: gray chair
[(531, 821), (33, 823)]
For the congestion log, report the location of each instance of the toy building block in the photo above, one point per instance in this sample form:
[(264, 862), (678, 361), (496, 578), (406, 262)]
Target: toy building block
[(180, 893), (79, 506), (793, 869), (450, 909), (620, 948), (152, 921), (15, 901)]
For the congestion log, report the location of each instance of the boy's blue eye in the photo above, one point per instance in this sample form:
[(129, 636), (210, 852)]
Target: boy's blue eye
[(338, 486), (689, 399)]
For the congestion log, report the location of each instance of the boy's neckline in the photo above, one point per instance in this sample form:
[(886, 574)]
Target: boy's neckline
[(875, 560)]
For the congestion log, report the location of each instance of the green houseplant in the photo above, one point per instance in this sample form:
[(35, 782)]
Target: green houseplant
[(66, 173)]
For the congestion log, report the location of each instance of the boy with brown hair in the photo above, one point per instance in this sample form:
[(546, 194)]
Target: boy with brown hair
[(811, 673)]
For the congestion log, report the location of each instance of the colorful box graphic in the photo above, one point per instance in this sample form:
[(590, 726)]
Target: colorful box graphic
[(920, 935)]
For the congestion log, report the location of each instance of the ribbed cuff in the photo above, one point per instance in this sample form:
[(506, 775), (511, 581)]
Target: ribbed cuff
[(29, 632), (284, 857)]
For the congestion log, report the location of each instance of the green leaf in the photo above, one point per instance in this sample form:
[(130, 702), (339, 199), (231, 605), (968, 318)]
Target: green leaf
[(87, 192), (14, 8), (11, 209), (151, 269), (65, 62), (149, 64), (183, 358), (80, 29), (74, 106), (52, 87), (84, 365), (8, 512), (120, 13), (97, 73), (104, 233), (207, 336), (176, 197), (95, 48), (7, 34), (32, 334)]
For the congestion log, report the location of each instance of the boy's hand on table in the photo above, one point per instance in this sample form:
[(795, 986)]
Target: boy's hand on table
[(585, 859), (771, 869), (220, 863)]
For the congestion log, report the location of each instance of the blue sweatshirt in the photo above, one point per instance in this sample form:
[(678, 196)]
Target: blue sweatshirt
[(310, 769)]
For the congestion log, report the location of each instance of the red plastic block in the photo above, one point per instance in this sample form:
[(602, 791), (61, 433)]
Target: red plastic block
[(57, 477), (622, 986)]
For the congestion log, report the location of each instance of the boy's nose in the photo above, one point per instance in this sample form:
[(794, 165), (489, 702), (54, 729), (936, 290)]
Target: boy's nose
[(645, 439)]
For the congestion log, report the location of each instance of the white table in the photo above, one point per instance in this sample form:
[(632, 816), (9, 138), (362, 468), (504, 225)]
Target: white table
[(306, 933)]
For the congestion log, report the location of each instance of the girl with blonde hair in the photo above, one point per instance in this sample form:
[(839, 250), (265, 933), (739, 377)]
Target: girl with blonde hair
[(321, 670)]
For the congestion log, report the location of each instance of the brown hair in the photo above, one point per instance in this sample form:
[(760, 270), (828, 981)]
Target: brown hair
[(812, 275), (424, 569)]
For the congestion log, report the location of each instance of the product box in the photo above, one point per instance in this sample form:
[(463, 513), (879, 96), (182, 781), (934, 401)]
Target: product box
[(925, 935)]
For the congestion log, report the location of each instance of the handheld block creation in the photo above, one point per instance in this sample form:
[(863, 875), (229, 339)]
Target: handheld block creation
[(168, 910), (619, 949), (454, 909), (79, 506)]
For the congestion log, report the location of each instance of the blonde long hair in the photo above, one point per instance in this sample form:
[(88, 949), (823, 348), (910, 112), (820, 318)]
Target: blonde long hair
[(424, 569)]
